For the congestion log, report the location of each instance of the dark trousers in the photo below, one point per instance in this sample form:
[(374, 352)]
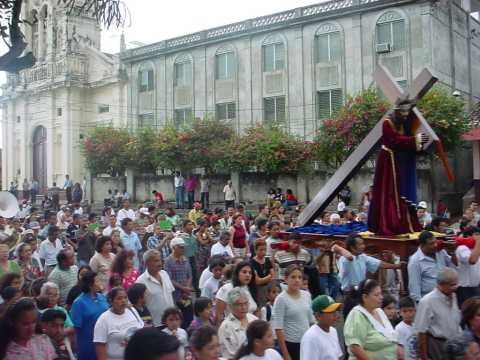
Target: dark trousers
[(195, 277), (229, 204), (464, 293), (190, 198), (293, 350), (68, 192), (204, 198)]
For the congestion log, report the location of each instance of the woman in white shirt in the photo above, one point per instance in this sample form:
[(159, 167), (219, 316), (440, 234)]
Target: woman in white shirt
[(259, 343), (244, 277), (115, 326)]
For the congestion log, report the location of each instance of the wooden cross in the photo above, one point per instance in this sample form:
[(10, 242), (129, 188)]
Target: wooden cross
[(394, 93)]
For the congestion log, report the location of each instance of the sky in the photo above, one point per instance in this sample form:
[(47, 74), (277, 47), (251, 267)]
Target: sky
[(150, 21)]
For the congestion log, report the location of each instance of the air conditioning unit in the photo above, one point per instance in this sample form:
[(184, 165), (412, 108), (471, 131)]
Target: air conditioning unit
[(383, 48)]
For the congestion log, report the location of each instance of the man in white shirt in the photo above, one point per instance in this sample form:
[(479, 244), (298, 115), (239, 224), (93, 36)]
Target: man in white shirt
[(468, 265), (125, 212), (230, 195), (179, 182), (159, 286), (320, 342), (49, 249), (112, 225), (222, 247)]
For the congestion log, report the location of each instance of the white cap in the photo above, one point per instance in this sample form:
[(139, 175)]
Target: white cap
[(335, 217), (423, 205), (341, 206), (176, 242)]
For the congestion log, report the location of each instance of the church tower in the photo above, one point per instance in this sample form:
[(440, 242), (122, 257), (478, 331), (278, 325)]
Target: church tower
[(48, 107)]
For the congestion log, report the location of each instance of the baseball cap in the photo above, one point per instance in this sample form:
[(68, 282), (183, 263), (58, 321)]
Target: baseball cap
[(177, 241), (34, 225), (422, 204), (325, 304)]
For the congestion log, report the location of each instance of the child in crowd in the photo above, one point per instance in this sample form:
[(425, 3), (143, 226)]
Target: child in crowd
[(137, 295), (9, 295), (223, 247), (273, 290), (172, 319), (405, 329), (326, 264), (389, 307), (202, 308), (212, 285), (52, 322)]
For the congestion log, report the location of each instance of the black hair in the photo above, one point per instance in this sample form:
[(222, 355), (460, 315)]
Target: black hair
[(406, 302), (216, 261), (437, 220), (200, 305), (186, 222), (272, 223), (351, 241), (112, 294), (150, 344), (76, 216), (36, 286), (387, 300), (424, 237), (87, 281), (261, 222), (255, 330), (201, 337), (171, 311), (7, 279), (99, 244), (201, 222), (356, 296), (7, 327), (53, 314), (252, 287), (136, 292), (53, 229), (80, 270), (92, 216), (125, 222), (9, 293), (272, 285), (61, 257)]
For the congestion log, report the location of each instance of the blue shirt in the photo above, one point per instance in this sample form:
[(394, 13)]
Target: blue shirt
[(423, 270), (352, 273), (131, 242), (85, 312)]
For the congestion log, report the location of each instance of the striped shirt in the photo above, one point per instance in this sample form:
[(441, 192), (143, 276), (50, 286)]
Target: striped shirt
[(285, 258)]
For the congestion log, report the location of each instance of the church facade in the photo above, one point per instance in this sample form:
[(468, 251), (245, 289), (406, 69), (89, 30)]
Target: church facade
[(293, 68)]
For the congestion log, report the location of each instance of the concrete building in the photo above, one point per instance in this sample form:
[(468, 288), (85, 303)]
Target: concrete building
[(293, 68), (46, 108), (296, 67)]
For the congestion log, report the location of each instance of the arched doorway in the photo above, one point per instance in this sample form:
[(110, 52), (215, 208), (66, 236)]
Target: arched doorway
[(40, 157)]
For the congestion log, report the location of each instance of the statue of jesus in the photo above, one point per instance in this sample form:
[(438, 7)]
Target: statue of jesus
[(394, 197)]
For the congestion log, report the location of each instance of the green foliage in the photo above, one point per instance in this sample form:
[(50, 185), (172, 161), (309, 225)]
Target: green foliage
[(339, 136), (106, 150), (446, 115), (142, 150), (269, 149)]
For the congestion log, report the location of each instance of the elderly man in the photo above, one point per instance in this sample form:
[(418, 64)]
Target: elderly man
[(424, 265), (64, 275), (438, 317), (159, 286), (178, 268), (232, 332)]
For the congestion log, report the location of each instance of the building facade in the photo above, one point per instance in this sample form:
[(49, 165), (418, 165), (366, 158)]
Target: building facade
[(293, 68), (47, 108)]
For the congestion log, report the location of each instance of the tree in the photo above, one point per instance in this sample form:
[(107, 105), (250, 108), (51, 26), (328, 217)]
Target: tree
[(107, 12)]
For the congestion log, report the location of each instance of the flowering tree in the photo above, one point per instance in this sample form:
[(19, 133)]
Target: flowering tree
[(339, 136), (142, 149), (106, 150), (269, 149)]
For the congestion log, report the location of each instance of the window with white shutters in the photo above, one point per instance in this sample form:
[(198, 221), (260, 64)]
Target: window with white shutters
[(274, 110), (273, 57), (328, 103), (145, 80), (226, 111), (328, 47), (145, 120), (183, 73), (225, 66), (393, 33)]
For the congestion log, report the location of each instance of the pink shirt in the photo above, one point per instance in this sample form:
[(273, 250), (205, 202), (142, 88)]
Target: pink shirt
[(38, 348), (130, 280), (191, 184)]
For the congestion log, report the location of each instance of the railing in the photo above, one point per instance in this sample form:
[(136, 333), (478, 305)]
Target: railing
[(72, 66), (240, 27)]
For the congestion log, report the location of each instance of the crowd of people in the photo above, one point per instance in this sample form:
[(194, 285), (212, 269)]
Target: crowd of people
[(150, 283)]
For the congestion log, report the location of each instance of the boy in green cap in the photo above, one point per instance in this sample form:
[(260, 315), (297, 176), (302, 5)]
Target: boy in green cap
[(320, 342)]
